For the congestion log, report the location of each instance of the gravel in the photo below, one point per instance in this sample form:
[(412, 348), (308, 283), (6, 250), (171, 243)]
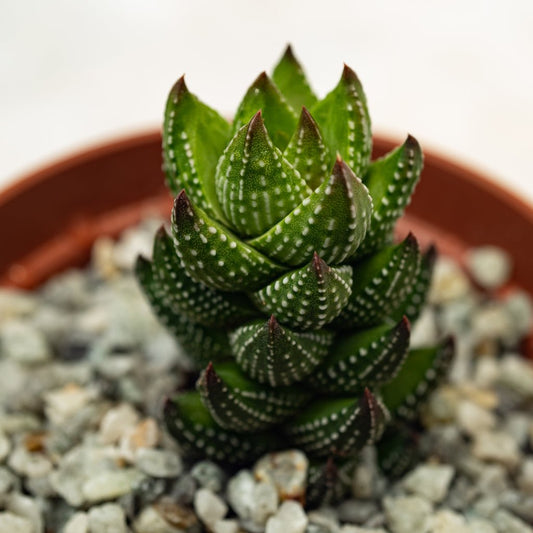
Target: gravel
[(84, 368)]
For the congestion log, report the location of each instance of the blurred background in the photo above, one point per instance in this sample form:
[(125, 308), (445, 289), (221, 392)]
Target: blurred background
[(457, 74)]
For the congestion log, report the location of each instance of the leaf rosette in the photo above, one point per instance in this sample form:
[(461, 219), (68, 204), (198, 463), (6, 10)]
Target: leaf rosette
[(280, 276)]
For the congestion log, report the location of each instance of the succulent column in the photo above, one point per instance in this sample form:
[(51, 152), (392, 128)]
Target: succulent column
[(280, 276)]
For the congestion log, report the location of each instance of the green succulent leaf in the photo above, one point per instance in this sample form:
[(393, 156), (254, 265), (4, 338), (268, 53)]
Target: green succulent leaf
[(397, 450), (290, 79), (307, 152), (422, 371), (280, 119), (193, 427), (278, 356), (255, 185), (213, 255), (391, 181), (195, 300), (416, 298), (200, 342), (345, 123), (194, 137), (338, 426), (239, 404), (366, 358), (332, 221), (380, 280), (307, 298)]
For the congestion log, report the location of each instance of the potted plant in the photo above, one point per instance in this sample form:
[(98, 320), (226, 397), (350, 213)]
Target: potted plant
[(290, 359)]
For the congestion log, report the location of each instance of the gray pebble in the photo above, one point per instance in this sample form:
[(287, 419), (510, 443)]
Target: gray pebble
[(108, 518), (158, 463), (209, 475)]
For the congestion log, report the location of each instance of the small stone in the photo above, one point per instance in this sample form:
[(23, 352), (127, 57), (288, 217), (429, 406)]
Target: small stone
[(287, 471), (516, 372), (492, 321), (24, 343), (109, 485), (506, 522), (441, 406), (366, 474), (16, 304), (62, 404), (144, 435), (525, 477), (445, 521), (29, 464), (265, 502), (158, 463), (11, 523), (498, 447), (177, 516), (7, 480), (116, 422), (77, 523), (356, 511), (430, 481), (5, 446), (226, 526), (520, 307), (486, 372), (478, 525), (407, 514), (151, 521), (209, 507), (209, 475), (449, 282), (492, 480), (290, 518), (424, 331), (323, 520), (26, 508), (102, 258), (490, 266), (108, 518), (184, 489), (240, 493), (473, 419), (517, 426)]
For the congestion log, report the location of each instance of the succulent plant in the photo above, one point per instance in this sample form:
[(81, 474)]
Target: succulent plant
[(280, 276)]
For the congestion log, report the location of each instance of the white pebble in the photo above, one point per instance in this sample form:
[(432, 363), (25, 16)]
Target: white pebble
[(290, 518), (23, 343), (109, 485), (209, 507), (490, 266), (516, 372), (77, 523), (496, 446), (430, 481), (449, 282), (5, 446), (27, 508), (116, 422), (446, 521), (11, 523), (108, 518), (407, 514), (226, 526), (158, 463), (473, 419)]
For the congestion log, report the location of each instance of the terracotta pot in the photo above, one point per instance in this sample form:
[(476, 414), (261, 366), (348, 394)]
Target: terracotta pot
[(53, 216)]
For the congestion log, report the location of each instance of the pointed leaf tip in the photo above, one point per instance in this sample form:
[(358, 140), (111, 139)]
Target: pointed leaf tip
[(179, 88), (349, 74)]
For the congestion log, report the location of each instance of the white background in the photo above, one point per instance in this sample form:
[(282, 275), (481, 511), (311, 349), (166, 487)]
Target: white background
[(457, 74)]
